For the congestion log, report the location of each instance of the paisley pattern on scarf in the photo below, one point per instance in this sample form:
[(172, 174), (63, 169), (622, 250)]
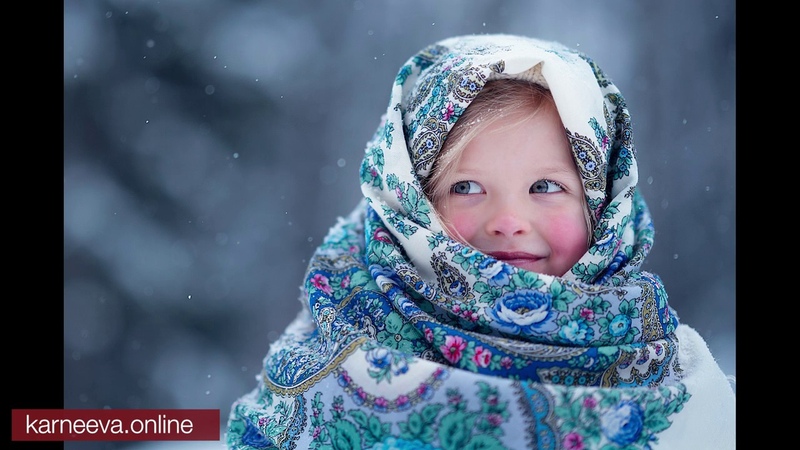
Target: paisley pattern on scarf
[(409, 339)]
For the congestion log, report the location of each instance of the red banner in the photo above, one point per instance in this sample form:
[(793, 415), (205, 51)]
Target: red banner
[(115, 424)]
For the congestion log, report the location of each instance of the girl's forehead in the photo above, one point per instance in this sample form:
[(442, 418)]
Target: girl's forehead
[(538, 141)]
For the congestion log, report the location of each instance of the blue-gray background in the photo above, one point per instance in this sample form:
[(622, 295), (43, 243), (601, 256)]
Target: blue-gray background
[(210, 144)]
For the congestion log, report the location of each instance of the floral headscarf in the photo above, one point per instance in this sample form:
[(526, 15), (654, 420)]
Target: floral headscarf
[(410, 339)]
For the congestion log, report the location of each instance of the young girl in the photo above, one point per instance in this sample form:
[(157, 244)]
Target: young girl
[(487, 292)]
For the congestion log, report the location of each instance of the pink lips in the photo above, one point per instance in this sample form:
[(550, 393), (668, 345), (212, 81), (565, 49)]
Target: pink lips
[(515, 258)]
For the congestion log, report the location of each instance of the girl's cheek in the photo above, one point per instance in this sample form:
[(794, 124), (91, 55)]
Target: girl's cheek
[(569, 233), (462, 225)]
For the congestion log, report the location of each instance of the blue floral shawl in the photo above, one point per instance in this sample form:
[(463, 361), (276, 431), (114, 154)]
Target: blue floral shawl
[(408, 339)]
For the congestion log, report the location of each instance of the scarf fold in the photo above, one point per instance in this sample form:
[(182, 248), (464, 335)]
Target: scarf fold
[(408, 338)]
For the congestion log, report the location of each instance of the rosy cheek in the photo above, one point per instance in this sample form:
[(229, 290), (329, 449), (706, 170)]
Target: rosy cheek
[(462, 226), (569, 234)]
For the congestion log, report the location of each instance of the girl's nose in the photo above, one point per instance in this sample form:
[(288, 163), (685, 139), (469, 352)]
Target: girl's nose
[(506, 220)]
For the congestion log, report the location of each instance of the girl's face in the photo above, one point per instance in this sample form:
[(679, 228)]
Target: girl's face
[(516, 195)]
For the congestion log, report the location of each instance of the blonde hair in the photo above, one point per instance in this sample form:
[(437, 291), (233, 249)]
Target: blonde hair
[(499, 99)]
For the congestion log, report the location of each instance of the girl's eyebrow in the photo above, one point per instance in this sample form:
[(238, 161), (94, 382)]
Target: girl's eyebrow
[(560, 169), (546, 169), (557, 166)]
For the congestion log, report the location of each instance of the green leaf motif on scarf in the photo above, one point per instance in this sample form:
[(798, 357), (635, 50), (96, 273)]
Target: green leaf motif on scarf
[(415, 428), (621, 160), (403, 74), (344, 435), (522, 279), (596, 305), (594, 205), (266, 399), (400, 335), (362, 278), (610, 211), (599, 132), (374, 431), (561, 297), (396, 220), (491, 404), (604, 237), (376, 155), (387, 137), (380, 249), (468, 259), (482, 288), (453, 432), (586, 272), (415, 204), (435, 239), (370, 173)]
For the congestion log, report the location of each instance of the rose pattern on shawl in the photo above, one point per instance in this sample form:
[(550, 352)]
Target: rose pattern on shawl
[(453, 348), (383, 363), (524, 311), (321, 282), (576, 332), (495, 272), (573, 441), (623, 424), (482, 357), (619, 325), (379, 358)]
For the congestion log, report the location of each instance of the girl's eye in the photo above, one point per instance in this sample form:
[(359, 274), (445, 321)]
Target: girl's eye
[(466, 187), (545, 187)]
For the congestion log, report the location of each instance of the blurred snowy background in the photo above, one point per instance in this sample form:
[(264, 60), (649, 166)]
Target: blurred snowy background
[(210, 144)]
